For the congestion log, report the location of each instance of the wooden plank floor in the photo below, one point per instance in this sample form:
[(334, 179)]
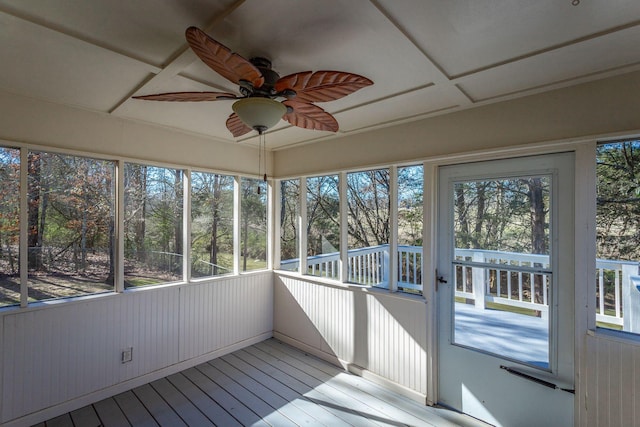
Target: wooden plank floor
[(267, 384)]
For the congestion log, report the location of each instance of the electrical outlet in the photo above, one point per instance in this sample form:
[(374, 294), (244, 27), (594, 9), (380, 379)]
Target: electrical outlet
[(127, 355)]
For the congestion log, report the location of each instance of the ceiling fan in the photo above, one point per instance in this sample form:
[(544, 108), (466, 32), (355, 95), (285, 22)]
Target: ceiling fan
[(265, 97)]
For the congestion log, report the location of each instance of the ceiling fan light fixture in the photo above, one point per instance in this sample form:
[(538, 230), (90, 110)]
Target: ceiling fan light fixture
[(259, 113)]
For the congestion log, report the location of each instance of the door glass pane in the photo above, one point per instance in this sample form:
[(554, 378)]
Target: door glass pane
[(502, 269)]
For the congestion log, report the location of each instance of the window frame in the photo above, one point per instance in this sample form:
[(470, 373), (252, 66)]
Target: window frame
[(118, 202)]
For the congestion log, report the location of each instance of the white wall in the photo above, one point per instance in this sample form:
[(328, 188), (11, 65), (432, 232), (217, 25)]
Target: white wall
[(603, 107), (60, 356), (36, 122), (372, 332)]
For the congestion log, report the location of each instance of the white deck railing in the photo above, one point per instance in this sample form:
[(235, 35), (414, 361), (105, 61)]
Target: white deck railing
[(508, 278)]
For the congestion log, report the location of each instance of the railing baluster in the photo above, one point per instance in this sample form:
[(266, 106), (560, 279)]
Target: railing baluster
[(601, 290), (617, 292), (415, 269), (519, 286)]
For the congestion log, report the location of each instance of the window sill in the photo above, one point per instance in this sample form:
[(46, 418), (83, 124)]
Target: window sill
[(615, 336)]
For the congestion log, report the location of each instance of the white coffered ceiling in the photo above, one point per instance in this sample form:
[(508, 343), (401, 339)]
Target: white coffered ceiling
[(426, 57)]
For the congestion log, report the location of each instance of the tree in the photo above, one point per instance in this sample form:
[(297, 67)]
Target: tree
[(35, 209), (289, 207), (618, 200), (323, 215), (9, 210), (369, 208), (253, 221), (212, 223)]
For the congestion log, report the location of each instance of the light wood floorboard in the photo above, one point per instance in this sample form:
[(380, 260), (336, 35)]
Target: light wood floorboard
[(267, 384)]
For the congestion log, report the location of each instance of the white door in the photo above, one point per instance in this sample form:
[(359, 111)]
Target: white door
[(506, 311)]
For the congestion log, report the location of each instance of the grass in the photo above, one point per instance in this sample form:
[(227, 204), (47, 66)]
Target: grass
[(141, 281)]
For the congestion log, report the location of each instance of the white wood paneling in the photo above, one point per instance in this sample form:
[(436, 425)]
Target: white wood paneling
[(59, 352), (319, 316), (382, 333), (213, 317), (612, 381)]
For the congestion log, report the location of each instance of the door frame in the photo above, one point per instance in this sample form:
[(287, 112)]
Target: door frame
[(584, 253)]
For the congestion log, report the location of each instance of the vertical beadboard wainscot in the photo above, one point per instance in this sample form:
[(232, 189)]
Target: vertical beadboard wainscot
[(63, 355), (612, 380), (374, 333)]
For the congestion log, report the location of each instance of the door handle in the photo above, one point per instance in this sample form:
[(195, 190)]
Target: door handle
[(439, 279)]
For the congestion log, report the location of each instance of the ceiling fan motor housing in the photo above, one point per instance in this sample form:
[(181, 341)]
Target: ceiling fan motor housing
[(270, 77)]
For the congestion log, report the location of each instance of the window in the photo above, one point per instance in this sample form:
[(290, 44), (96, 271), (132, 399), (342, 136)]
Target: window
[(211, 224), (410, 188), (253, 224), (9, 226), (618, 236), (323, 226), (368, 227), (289, 214), (71, 225), (153, 202)]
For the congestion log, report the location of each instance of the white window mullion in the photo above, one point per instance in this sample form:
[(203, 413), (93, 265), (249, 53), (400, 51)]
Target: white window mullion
[(344, 237), (392, 274), (24, 227), (186, 226), (272, 238), (236, 225), (302, 226), (119, 228), (277, 226)]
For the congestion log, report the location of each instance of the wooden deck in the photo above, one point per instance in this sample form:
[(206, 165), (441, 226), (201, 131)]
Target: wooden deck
[(267, 384)]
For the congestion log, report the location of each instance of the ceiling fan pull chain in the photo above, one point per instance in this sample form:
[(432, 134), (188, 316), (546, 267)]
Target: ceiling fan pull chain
[(264, 155), (260, 150)]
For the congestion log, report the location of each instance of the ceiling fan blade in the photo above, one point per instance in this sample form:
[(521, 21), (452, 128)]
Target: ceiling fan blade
[(187, 96), (229, 65), (322, 86), (237, 126), (310, 116)]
